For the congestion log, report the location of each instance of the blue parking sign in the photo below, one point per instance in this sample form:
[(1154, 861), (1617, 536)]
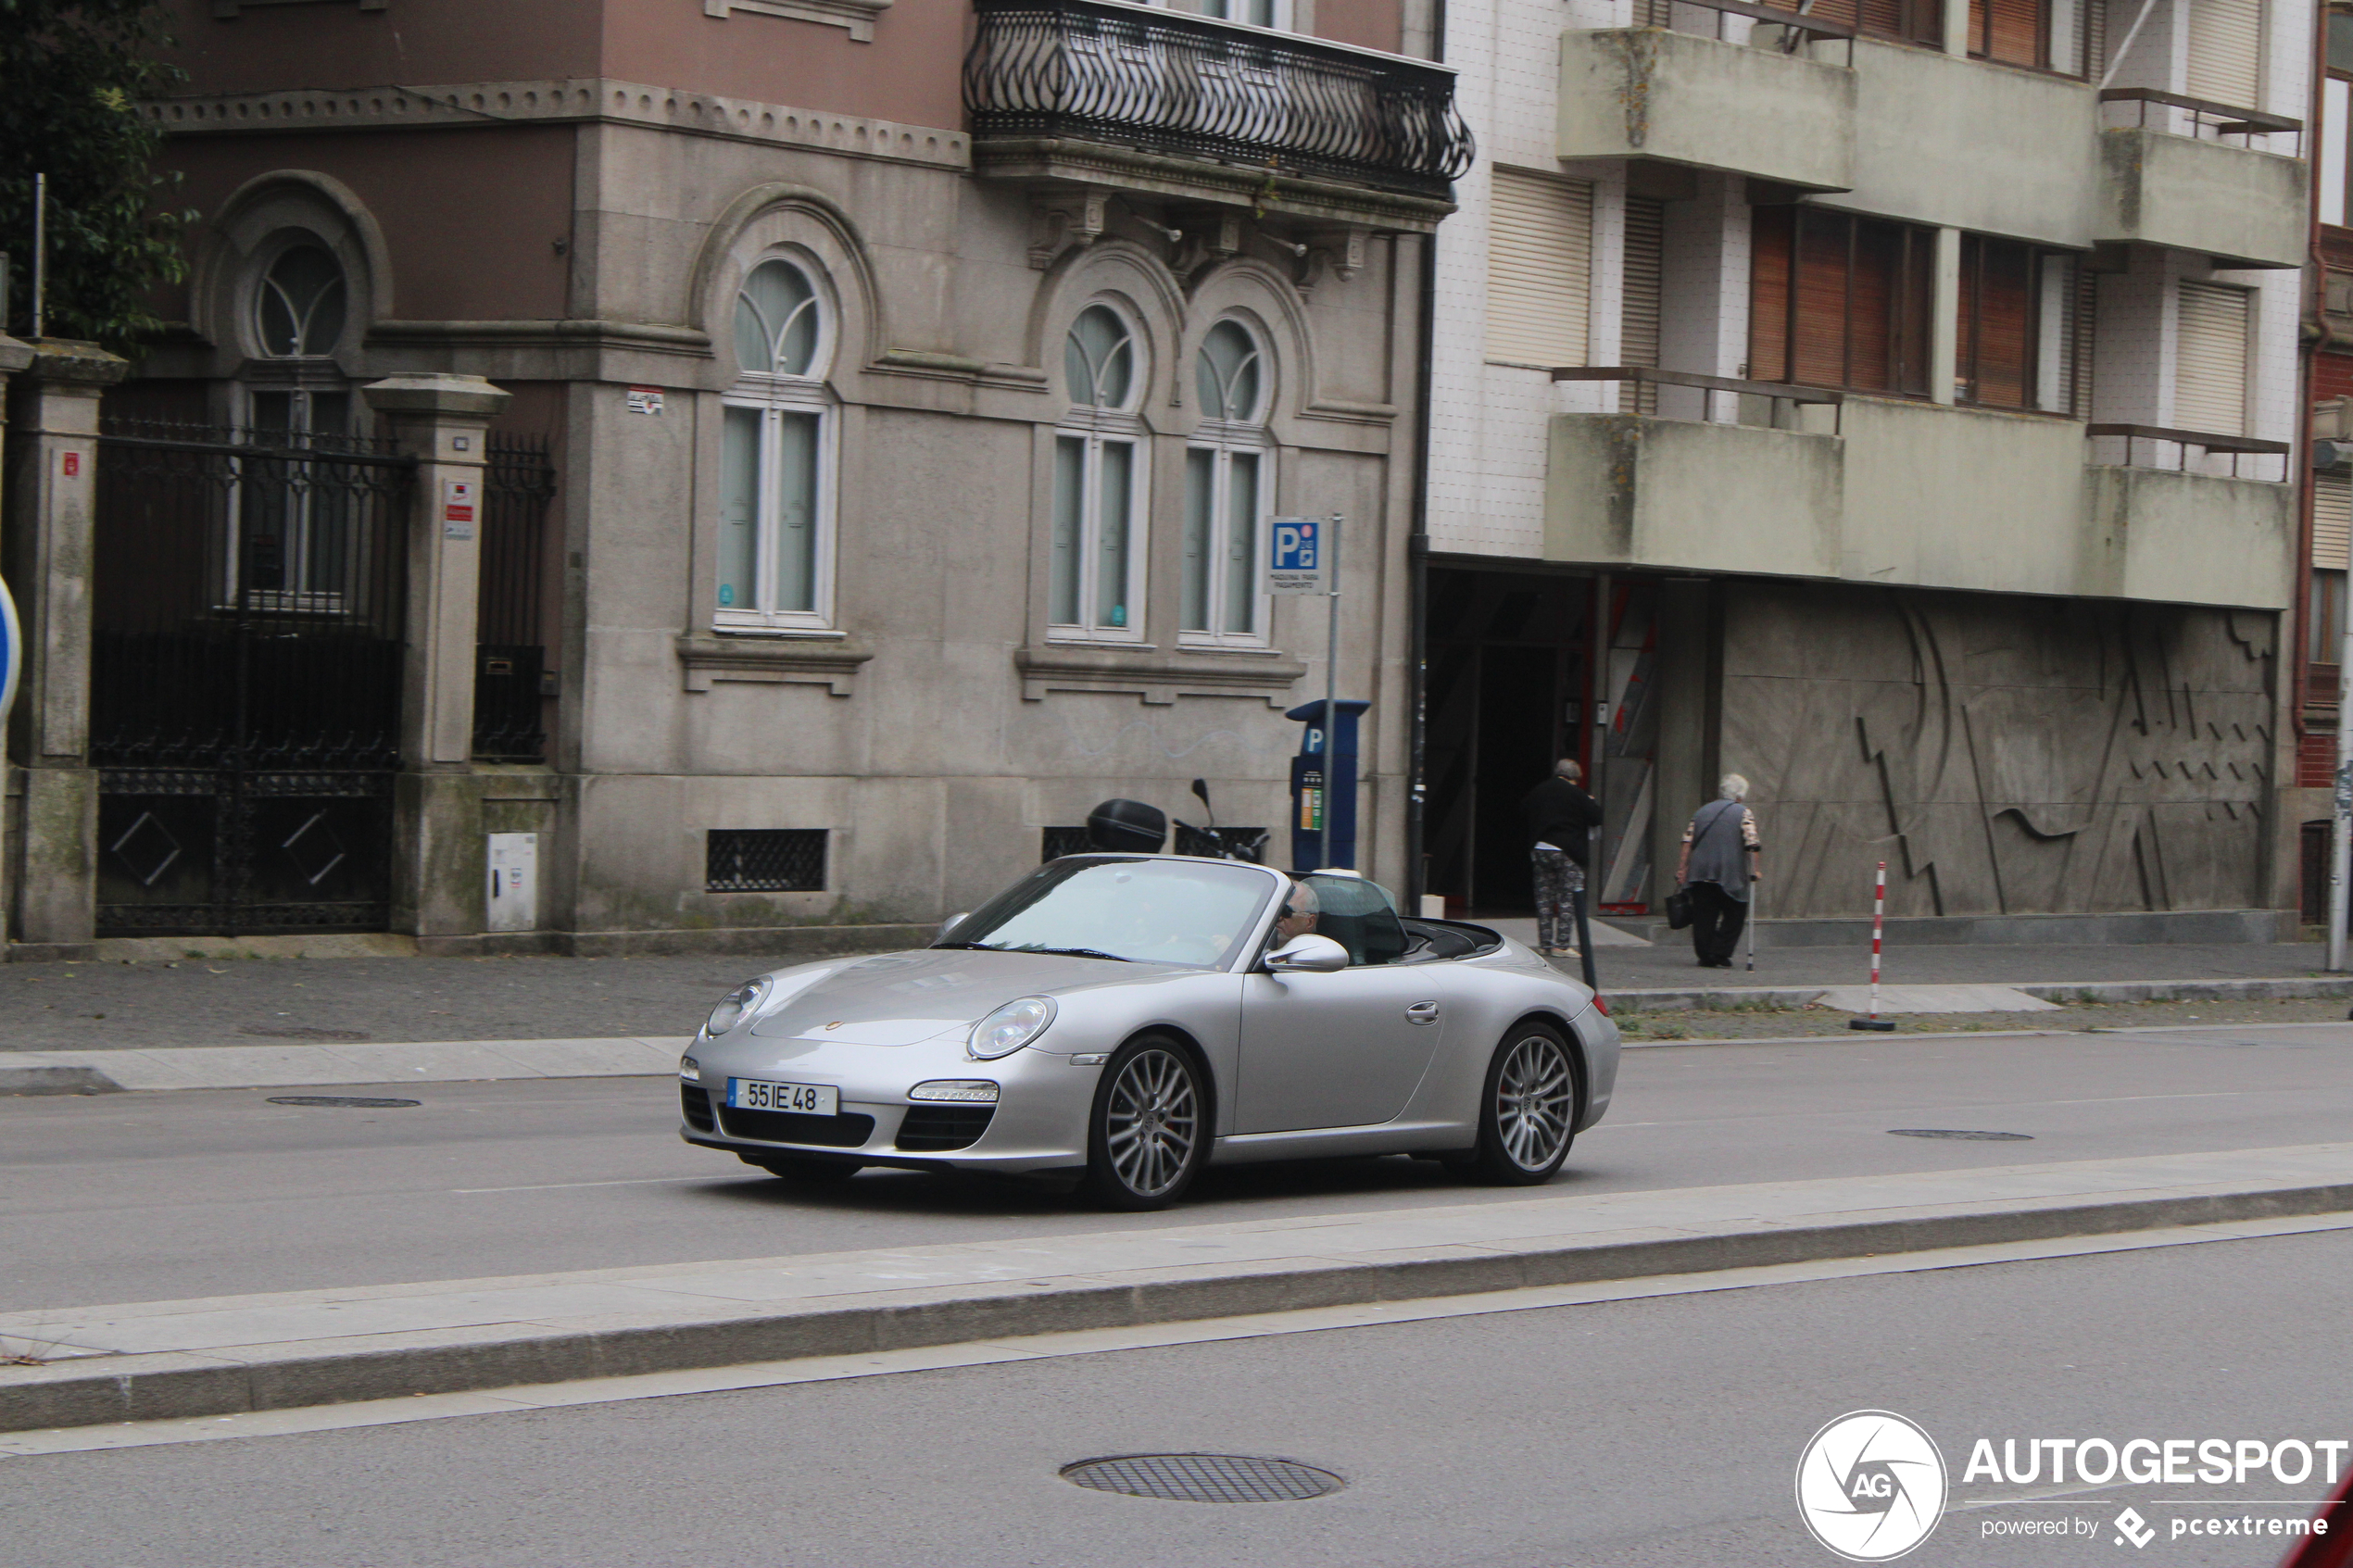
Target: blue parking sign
[(12, 651), (1295, 554)]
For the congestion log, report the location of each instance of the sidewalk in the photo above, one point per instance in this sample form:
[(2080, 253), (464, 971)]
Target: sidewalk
[(85, 1008), (180, 1359)]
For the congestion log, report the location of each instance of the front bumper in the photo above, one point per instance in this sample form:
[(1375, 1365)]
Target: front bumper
[(1038, 1123)]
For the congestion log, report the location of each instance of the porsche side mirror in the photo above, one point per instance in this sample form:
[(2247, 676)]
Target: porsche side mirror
[(950, 924), (1309, 954)]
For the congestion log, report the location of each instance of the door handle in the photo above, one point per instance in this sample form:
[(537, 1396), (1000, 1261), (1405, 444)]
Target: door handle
[(1422, 1012)]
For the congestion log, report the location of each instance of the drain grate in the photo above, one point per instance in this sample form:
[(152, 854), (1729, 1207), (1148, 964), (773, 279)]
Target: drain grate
[(1956, 1133), (347, 1102), (1203, 1478)]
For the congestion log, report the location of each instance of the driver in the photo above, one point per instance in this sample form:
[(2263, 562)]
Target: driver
[(1299, 914)]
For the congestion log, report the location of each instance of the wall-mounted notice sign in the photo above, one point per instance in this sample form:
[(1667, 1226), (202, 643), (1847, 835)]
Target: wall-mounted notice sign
[(457, 509), (645, 400)]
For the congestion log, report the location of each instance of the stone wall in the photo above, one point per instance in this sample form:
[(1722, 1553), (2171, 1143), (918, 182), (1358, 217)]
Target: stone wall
[(2005, 754)]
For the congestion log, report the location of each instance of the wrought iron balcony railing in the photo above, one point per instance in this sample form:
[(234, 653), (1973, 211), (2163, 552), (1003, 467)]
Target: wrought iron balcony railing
[(1169, 83)]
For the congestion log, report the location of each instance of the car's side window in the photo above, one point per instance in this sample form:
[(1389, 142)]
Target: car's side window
[(1358, 915)]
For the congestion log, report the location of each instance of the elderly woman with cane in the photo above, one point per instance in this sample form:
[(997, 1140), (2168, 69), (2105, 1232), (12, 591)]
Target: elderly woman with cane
[(1720, 842)]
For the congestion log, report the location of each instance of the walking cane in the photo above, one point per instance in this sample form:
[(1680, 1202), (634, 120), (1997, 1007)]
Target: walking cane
[(1752, 924)]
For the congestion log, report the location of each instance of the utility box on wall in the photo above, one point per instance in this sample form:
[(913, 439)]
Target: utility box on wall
[(513, 890)]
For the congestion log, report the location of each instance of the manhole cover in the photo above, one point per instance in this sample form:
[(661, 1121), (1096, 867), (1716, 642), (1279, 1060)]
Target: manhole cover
[(303, 1032), (348, 1102), (1203, 1478), (1956, 1133)]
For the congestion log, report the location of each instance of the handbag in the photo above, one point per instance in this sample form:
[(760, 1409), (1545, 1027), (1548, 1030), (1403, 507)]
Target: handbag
[(1679, 909)]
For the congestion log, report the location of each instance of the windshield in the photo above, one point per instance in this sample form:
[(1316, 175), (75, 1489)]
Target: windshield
[(1192, 912)]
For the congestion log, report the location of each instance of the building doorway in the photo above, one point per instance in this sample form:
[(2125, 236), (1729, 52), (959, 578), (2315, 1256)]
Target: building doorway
[(1525, 667)]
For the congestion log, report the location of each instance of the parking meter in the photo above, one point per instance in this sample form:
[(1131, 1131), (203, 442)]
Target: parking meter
[(1323, 788)]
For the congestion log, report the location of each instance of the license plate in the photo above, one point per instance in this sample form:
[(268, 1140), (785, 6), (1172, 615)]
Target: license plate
[(801, 1100)]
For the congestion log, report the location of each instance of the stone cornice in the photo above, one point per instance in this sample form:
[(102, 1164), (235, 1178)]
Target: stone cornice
[(576, 100), (1062, 162), (831, 662), (1159, 678), (858, 16)]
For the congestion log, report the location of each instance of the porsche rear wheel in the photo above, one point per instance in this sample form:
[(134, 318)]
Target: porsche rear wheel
[(1149, 1131), (1528, 1109)]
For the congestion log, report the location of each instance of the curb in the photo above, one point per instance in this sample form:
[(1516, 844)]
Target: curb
[(293, 1374), (1789, 998)]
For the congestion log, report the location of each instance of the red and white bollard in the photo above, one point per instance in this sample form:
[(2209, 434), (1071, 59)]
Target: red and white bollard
[(1879, 928)]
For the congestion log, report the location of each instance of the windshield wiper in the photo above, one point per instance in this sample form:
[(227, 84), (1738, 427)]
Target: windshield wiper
[(1025, 948)]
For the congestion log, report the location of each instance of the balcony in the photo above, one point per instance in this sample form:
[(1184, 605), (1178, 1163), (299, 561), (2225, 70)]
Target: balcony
[(1913, 494), (1682, 98), (1104, 95), (2244, 206)]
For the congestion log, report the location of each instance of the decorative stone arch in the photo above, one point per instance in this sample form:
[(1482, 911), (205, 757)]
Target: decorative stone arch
[(1261, 296), (791, 220), (1135, 277), (263, 217)]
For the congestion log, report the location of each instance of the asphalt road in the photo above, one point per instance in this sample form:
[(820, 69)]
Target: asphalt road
[(199, 1002), (1638, 1434), (157, 1197)]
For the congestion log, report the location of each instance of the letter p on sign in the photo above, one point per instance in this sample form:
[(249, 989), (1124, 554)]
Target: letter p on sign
[(1294, 555)]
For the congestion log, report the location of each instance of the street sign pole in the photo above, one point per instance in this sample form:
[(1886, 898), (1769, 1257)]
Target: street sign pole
[(1331, 671)]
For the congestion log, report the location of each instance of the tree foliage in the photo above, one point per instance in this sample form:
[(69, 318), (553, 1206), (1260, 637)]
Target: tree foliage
[(72, 76)]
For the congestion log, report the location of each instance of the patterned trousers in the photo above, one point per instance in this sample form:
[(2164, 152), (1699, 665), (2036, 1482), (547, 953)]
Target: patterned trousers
[(1558, 879)]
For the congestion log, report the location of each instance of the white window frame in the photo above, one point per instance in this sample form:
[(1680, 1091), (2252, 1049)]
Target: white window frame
[(776, 397), (300, 379), (1100, 428), (1224, 439)]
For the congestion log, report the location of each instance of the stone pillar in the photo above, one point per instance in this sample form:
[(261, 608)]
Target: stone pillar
[(47, 554), (438, 872), (14, 356), (1944, 319), (1686, 722)]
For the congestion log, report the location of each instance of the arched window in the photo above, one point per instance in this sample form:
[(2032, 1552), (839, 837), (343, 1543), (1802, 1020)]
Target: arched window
[(775, 537), (1096, 581), (298, 308), (295, 527), (1228, 482)]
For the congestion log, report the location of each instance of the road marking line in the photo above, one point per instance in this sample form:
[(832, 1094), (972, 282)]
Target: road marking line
[(562, 1186), (1100, 1341)]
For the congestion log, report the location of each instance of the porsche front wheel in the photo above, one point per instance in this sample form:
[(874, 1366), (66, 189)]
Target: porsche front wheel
[(1149, 1130)]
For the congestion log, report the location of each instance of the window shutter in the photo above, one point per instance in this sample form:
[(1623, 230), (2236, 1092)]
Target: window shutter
[(2332, 521), (2209, 367), (1539, 269), (2226, 44), (1768, 293), (1638, 329), (2007, 31)]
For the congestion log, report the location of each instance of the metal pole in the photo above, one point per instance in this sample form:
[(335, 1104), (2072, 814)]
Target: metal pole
[(39, 254), (1879, 923), (2341, 846), (1331, 687)]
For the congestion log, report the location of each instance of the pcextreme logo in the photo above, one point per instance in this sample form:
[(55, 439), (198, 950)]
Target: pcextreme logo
[(1870, 1486)]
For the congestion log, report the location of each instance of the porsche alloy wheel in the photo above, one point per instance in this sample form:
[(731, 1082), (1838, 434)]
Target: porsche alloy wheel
[(1149, 1130), (1529, 1108)]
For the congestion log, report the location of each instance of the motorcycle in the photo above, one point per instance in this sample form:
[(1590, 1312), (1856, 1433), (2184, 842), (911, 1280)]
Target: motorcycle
[(1132, 827)]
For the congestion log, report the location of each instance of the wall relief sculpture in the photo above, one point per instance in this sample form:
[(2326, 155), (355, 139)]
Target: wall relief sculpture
[(2005, 756)]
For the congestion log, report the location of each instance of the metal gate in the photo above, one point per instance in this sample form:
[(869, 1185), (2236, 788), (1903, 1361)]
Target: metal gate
[(246, 700), (511, 677)]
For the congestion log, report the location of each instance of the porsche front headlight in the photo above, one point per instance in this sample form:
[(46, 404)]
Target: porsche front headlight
[(736, 1006), (1011, 1027)]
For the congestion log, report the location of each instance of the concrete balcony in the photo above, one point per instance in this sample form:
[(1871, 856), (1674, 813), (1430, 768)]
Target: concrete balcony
[(2243, 207), (1913, 494), (1681, 98)]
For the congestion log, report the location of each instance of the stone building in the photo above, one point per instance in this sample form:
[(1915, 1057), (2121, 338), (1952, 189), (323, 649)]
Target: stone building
[(636, 474), (1900, 407)]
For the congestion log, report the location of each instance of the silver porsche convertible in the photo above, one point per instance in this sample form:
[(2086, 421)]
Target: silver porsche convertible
[(1129, 1019)]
